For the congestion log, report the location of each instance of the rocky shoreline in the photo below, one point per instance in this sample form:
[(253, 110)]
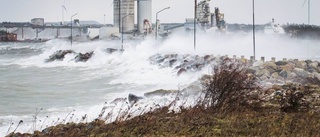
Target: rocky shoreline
[(280, 81), (275, 72)]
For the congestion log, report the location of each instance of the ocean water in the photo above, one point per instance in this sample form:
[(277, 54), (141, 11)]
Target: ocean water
[(68, 90)]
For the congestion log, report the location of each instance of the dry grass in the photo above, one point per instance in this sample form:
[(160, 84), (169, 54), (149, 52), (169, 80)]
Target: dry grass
[(225, 111)]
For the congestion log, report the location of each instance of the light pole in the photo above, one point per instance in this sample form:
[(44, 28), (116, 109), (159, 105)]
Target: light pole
[(254, 32), (194, 25), (157, 20), (104, 19), (71, 27), (122, 29), (309, 12), (119, 13)]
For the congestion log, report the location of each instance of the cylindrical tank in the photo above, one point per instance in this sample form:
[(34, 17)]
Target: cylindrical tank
[(126, 7), (144, 12)]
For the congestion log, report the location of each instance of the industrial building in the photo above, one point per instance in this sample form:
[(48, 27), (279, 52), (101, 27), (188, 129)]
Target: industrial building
[(124, 14), (123, 23)]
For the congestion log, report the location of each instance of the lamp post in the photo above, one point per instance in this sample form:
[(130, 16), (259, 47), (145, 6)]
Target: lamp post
[(71, 27), (157, 20), (254, 32), (309, 12), (122, 29), (119, 13), (194, 25)]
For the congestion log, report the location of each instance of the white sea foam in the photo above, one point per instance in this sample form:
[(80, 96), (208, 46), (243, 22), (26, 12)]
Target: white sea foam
[(85, 86)]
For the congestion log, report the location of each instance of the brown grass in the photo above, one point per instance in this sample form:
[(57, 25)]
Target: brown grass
[(226, 110)]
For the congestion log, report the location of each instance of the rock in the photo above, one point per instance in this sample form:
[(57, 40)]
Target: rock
[(281, 63), (252, 70), (191, 89), (181, 70), (288, 67), (270, 66), (205, 78), (316, 75), (112, 50), (198, 66), (301, 64), (133, 98), (156, 59), (263, 78), (257, 63), (302, 73), (283, 74), (262, 72), (160, 92), (314, 64), (311, 70), (83, 57), (275, 75), (308, 62), (207, 57), (172, 61), (59, 55)]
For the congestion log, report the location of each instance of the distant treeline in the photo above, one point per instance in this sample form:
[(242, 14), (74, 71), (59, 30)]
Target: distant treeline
[(244, 28), (302, 31), (294, 30)]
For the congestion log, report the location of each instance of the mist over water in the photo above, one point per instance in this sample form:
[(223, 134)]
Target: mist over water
[(28, 84)]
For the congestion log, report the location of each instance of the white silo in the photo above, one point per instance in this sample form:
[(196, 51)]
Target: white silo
[(144, 13), (126, 7)]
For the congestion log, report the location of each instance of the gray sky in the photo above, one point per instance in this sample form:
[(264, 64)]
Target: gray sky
[(236, 11)]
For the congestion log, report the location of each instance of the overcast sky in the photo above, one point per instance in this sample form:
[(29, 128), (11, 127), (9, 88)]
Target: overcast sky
[(236, 11)]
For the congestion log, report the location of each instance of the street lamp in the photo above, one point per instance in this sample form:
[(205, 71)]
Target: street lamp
[(309, 12), (122, 29), (254, 32), (194, 25), (157, 20), (71, 27)]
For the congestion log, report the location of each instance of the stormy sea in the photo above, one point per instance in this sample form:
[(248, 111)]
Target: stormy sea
[(36, 93)]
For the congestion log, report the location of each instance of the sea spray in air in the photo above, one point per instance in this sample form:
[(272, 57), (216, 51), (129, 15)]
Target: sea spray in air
[(59, 87)]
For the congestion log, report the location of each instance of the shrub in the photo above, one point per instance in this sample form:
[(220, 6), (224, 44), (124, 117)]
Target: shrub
[(292, 100), (229, 86)]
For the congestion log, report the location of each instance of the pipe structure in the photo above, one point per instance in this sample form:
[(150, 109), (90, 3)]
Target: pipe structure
[(157, 20), (122, 30), (71, 27)]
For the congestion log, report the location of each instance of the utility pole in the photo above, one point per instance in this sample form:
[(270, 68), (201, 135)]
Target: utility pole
[(194, 25), (309, 12), (254, 32), (119, 16)]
